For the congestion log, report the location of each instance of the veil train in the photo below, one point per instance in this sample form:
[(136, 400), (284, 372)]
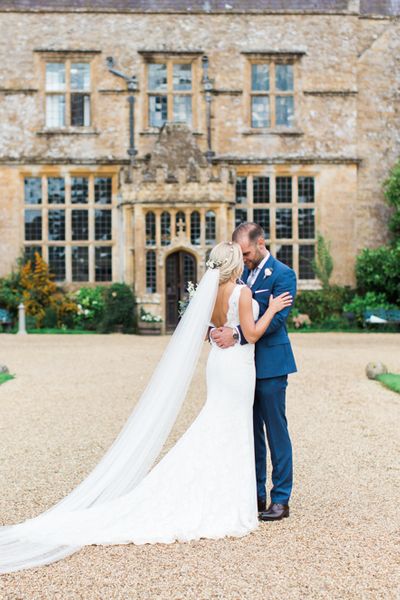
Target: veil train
[(136, 448)]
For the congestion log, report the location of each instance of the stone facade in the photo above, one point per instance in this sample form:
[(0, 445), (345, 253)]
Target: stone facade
[(87, 202)]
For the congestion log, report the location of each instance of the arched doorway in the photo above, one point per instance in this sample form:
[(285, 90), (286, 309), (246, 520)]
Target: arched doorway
[(180, 267)]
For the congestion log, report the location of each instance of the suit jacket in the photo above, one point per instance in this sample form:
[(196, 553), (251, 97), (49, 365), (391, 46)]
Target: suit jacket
[(273, 351)]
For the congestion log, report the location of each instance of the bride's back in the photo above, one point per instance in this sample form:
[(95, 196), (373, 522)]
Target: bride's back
[(220, 313)]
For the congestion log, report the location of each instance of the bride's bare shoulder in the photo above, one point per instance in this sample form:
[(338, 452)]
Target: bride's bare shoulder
[(245, 292)]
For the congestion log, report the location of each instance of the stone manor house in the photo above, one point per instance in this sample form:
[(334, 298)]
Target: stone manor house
[(134, 134)]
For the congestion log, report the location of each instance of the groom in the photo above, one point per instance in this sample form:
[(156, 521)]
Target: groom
[(267, 276)]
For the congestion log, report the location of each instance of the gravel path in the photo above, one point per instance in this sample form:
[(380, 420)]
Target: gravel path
[(72, 394)]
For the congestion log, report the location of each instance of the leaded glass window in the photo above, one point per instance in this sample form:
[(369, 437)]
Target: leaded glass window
[(79, 190), (103, 190), (103, 263), (80, 224), (150, 229), (56, 190), (285, 254), (272, 94), (170, 92), (211, 232), (165, 222), (151, 272), (33, 190), (260, 190), (33, 224), (68, 87), (195, 228), (56, 221), (306, 257), (102, 224), (57, 262), (80, 263)]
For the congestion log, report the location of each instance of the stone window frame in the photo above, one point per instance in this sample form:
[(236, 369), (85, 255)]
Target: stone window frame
[(169, 58), (273, 242), (68, 206), (68, 57), (272, 58)]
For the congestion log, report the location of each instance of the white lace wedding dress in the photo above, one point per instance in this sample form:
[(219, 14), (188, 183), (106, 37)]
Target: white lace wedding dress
[(205, 487)]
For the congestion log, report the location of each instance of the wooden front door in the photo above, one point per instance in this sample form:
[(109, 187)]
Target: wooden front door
[(180, 268)]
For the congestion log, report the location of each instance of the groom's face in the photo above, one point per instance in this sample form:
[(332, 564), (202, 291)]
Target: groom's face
[(253, 252)]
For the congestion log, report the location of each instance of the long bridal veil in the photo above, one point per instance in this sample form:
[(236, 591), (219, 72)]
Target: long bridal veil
[(136, 448)]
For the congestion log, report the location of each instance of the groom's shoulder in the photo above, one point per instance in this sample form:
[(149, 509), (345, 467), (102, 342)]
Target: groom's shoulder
[(283, 269)]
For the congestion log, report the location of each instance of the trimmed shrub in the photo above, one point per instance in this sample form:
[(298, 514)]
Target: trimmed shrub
[(378, 270), (323, 305), (119, 309), (90, 303)]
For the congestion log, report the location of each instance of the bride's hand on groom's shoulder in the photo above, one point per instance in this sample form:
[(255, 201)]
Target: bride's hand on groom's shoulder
[(280, 302)]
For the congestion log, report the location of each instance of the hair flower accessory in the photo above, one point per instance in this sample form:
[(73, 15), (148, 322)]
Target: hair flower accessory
[(215, 264), (267, 272)]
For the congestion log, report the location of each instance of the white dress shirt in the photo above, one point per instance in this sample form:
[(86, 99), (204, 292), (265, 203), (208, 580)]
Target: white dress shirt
[(254, 274)]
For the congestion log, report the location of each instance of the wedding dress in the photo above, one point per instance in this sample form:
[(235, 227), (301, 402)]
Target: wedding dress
[(204, 487)]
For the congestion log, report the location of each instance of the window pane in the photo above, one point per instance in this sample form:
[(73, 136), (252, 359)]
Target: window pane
[(306, 257), (151, 274), (210, 227), (260, 78), (80, 263), (103, 190), (189, 268), (57, 262), (79, 190), (182, 79), (285, 255), (283, 189), (80, 77), (284, 223), (55, 77), (241, 190), (33, 225), (29, 252), (150, 229), (284, 78), (306, 189), (157, 110), (103, 263), (157, 77), (284, 110), (261, 216), (80, 110), (195, 228), (102, 224), (183, 109), (80, 225), (57, 225), (55, 110), (306, 223), (260, 190), (33, 190), (260, 111), (56, 190), (180, 222), (240, 216), (165, 229)]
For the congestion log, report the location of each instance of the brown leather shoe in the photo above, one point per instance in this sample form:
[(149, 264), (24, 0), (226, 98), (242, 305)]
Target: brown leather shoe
[(261, 503), (275, 512)]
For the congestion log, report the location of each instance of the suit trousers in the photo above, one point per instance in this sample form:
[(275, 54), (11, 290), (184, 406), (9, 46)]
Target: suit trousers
[(269, 410)]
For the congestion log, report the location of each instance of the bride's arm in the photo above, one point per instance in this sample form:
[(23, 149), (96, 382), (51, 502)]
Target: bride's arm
[(253, 331)]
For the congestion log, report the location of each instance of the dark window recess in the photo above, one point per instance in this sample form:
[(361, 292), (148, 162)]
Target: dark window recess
[(306, 223), (306, 257), (30, 251), (103, 263), (80, 225), (33, 225), (151, 273), (57, 262), (240, 216), (79, 190), (210, 227), (57, 225), (285, 255), (102, 224), (33, 190), (150, 229), (260, 190), (261, 216), (80, 263), (103, 190), (165, 222), (80, 110), (241, 190), (284, 223), (56, 190), (195, 229), (306, 189), (283, 189)]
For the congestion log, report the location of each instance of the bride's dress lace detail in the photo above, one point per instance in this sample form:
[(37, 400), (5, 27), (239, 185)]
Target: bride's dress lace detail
[(205, 487)]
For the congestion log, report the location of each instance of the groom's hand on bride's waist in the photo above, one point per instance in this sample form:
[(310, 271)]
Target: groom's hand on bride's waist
[(224, 337)]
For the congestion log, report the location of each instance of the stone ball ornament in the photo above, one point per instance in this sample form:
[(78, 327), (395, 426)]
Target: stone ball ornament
[(373, 369), (3, 369)]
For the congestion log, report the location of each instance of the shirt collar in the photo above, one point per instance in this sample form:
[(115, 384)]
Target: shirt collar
[(262, 263)]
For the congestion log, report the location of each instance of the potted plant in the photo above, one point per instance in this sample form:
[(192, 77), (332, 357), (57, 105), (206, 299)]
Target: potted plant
[(149, 324)]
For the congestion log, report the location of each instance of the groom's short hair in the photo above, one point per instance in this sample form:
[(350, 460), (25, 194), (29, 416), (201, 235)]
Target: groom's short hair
[(253, 231)]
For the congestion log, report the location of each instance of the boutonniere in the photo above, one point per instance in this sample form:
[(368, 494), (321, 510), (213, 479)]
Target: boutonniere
[(267, 272)]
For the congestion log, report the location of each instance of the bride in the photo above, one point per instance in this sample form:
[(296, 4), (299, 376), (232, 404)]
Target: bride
[(205, 486)]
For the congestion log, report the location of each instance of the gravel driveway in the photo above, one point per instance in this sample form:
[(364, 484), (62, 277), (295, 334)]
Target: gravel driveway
[(72, 394)]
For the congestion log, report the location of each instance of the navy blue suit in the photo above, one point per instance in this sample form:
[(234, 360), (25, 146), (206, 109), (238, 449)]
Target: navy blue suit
[(274, 361)]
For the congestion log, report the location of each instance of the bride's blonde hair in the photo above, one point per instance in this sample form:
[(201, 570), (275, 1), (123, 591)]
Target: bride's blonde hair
[(228, 258)]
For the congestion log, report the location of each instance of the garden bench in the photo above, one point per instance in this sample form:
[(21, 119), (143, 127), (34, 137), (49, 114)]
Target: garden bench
[(5, 319), (382, 316)]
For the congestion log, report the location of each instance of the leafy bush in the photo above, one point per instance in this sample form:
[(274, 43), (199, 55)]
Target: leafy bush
[(370, 301), (11, 292), (119, 309), (378, 270), (90, 303), (322, 305), (391, 189), (323, 261)]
